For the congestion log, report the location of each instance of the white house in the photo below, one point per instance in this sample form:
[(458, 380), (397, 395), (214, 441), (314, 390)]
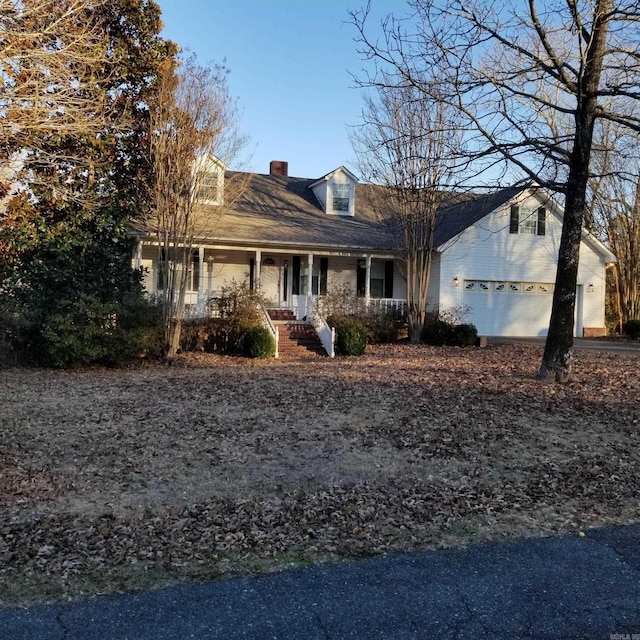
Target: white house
[(296, 237)]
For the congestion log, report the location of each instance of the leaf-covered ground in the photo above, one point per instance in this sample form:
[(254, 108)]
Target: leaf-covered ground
[(121, 479)]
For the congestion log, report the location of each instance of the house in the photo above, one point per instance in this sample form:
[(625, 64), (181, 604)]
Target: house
[(295, 238)]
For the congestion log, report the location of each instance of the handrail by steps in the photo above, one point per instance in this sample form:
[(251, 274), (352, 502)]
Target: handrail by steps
[(268, 322), (326, 333)]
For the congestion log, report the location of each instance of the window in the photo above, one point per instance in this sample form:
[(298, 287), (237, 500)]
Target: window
[(528, 222), (341, 197), (376, 287), (296, 290), (172, 270), (502, 287), (319, 277), (208, 191)]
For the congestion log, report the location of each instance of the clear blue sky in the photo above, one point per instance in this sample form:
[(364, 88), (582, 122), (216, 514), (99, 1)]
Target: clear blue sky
[(290, 62)]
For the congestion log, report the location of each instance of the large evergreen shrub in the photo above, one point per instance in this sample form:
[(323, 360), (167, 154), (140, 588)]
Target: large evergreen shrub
[(436, 332), (351, 338), (631, 328), (439, 332), (464, 335), (259, 343)]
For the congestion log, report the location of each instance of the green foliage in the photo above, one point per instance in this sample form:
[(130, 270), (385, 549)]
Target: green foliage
[(436, 332), (351, 337), (631, 329), (464, 335), (65, 256), (259, 343), (440, 332), (14, 329), (236, 311), (82, 330)]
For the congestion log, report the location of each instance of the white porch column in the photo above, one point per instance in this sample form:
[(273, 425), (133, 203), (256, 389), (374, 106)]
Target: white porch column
[(210, 261), (200, 280), (258, 268), (137, 255), (309, 283), (367, 280)]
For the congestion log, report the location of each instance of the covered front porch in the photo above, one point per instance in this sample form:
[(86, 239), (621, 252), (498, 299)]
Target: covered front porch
[(286, 279)]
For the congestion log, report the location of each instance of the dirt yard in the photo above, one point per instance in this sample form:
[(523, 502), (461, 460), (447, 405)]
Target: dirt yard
[(121, 479)]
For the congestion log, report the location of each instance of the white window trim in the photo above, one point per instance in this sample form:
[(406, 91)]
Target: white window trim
[(218, 200), (351, 191)]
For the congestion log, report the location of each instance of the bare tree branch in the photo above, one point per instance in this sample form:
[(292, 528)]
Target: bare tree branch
[(194, 136)]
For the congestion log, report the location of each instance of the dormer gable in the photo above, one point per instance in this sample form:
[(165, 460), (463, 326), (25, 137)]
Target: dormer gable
[(209, 180), (336, 192)]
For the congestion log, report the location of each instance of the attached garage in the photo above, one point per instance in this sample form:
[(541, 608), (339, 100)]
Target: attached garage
[(500, 308)]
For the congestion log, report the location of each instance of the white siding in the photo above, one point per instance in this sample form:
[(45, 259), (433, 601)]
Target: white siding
[(342, 271), (433, 292), (487, 251), (217, 274), (320, 192), (399, 283), (233, 268)]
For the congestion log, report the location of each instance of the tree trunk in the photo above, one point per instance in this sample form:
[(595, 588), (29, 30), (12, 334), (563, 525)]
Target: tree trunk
[(558, 350), (175, 330), (416, 325)]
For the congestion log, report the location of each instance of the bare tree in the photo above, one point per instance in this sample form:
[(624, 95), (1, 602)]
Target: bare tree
[(518, 73), (614, 214), (405, 146), (193, 138), (50, 51), (623, 235)]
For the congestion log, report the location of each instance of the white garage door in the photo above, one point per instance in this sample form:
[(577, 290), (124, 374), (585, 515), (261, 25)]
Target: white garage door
[(508, 308)]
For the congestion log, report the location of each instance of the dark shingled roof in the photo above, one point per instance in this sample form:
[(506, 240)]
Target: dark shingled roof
[(456, 217), (282, 210)]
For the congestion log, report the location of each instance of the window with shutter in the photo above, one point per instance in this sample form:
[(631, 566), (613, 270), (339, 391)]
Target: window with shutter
[(542, 221), (515, 218), (528, 222)]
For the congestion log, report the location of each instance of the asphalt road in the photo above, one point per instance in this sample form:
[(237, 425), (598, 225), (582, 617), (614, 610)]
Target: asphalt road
[(539, 589)]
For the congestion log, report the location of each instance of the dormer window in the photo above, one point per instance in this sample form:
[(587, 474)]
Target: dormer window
[(209, 180), (336, 192), (209, 191), (341, 198)]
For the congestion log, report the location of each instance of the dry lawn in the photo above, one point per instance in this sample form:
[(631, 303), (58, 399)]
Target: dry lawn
[(113, 480)]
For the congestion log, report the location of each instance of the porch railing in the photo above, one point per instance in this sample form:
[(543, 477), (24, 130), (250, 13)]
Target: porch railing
[(268, 322), (207, 305), (326, 333), (395, 307)]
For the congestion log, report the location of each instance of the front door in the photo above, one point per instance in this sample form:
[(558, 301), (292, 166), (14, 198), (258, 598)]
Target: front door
[(270, 281)]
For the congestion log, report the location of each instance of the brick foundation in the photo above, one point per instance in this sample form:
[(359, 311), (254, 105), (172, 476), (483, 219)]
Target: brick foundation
[(594, 332)]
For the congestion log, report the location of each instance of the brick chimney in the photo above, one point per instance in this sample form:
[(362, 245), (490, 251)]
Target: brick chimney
[(279, 168)]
